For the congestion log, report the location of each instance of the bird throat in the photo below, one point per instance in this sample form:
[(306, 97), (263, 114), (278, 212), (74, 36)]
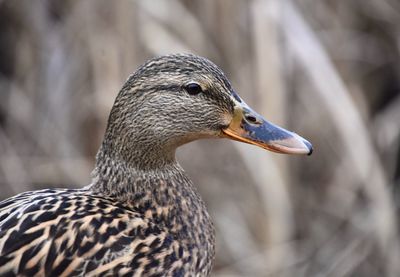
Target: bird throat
[(162, 189), (133, 181)]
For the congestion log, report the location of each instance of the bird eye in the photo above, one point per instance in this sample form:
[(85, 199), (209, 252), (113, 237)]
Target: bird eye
[(193, 88)]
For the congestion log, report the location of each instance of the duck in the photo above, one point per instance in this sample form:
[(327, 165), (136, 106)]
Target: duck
[(141, 215)]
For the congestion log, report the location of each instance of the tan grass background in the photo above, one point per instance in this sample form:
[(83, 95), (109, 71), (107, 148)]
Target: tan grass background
[(329, 70)]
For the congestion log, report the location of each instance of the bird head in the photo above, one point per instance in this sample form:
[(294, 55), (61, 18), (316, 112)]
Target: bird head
[(174, 99)]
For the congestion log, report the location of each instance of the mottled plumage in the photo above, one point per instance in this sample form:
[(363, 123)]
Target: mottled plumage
[(141, 214)]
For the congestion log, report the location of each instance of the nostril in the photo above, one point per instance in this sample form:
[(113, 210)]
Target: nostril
[(251, 118)]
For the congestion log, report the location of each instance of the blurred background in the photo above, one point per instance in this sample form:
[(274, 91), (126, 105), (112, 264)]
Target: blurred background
[(329, 70)]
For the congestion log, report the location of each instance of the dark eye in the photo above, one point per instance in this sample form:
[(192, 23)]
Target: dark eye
[(193, 88)]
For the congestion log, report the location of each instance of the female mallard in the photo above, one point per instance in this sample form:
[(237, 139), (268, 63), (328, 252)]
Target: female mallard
[(141, 214)]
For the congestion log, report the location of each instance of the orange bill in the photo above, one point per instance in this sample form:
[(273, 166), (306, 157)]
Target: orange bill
[(249, 127)]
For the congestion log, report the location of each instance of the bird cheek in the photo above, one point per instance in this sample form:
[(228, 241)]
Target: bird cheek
[(226, 119)]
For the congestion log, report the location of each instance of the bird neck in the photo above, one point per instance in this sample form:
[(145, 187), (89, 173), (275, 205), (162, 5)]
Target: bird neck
[(153, 177), (164, 195)]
